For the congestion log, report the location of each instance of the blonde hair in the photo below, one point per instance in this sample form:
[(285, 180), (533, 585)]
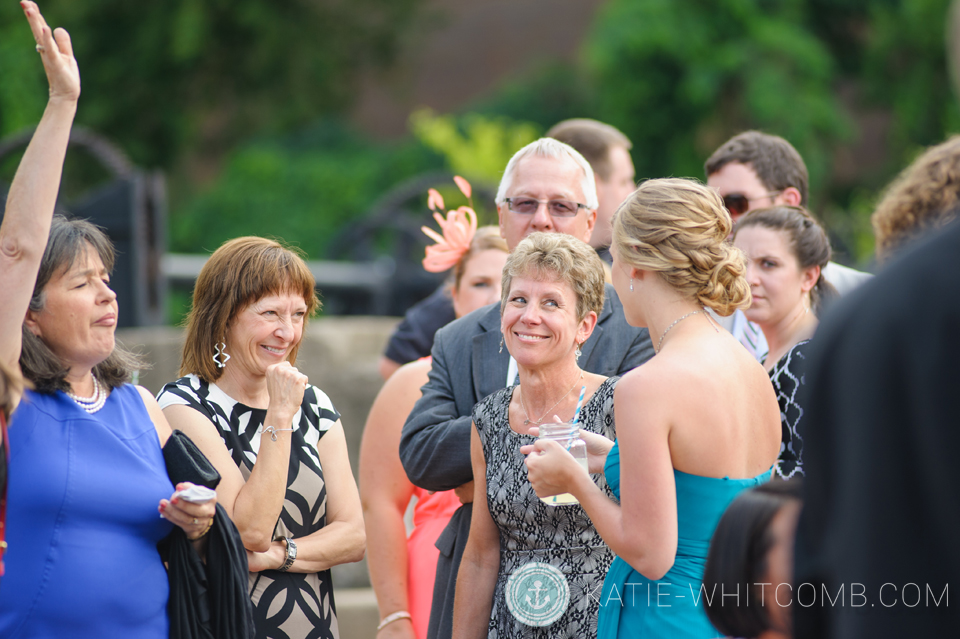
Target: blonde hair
[(678, 228), (487, 238), (239, 273), (561, 256)]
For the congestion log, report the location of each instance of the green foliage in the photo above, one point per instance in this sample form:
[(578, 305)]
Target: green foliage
[(302, 189), (23, 89), (477, 147), (170, 78), (680, 78)]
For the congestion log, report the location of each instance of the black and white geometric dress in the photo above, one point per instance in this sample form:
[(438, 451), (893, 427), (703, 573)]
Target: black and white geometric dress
[(286, 605), (787, 378), (530, 531)]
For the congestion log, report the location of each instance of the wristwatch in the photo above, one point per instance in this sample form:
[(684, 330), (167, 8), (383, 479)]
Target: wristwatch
[(291, 554)]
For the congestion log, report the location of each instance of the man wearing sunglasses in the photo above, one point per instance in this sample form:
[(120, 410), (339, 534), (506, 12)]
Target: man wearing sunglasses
[(755, 170), (548, 187)]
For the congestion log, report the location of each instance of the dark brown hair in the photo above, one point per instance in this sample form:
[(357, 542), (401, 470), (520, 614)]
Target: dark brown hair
[(69, 240), (737, 559), (924, 196), (238, 274), (593, 140), (808, 241), (774, 160)]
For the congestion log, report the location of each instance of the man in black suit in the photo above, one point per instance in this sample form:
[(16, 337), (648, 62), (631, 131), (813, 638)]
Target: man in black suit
[(468, 363)]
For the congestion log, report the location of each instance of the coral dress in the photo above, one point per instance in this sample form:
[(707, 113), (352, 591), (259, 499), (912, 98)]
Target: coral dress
[(431, 514)]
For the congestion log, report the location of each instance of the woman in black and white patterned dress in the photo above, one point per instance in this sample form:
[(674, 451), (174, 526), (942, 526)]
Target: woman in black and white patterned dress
[(786, 251), (276, 440), (553, 289)]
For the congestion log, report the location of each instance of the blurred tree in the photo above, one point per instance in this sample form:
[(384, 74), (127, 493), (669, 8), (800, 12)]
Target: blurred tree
[(303, 188), (165, 78), (476, 146)]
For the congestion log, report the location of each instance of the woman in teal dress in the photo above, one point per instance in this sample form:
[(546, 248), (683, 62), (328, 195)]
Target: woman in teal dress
[(696, 424)]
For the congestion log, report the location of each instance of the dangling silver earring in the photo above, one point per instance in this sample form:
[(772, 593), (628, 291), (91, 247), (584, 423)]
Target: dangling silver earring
[(222, 354), (501, 343), (578, 353), (631, 284)]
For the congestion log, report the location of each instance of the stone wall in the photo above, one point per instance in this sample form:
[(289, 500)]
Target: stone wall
[(339, 355)]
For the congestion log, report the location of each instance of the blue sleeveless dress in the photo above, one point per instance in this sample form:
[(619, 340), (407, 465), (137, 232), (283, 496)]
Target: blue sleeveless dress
[(632, 605), (83, 523)]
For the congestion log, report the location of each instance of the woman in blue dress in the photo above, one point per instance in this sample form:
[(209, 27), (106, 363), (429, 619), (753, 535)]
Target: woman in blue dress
[(89, 496), (696, 424)]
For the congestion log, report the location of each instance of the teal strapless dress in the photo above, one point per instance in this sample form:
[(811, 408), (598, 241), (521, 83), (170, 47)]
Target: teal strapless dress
[(632, 605)]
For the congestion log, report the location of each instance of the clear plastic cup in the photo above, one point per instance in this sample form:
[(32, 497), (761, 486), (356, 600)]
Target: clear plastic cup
[(568, 436)]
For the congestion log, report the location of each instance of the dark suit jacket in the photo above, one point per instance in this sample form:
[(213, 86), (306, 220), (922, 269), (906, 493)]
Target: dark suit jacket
[(881, 516), (467, 366)]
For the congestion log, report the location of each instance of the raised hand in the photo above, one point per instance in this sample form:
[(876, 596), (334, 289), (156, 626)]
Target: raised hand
[(286, 386), (56, 52)]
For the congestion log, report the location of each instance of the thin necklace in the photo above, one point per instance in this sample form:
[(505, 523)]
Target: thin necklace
[(94, 403), (546, 412), (660, 343)]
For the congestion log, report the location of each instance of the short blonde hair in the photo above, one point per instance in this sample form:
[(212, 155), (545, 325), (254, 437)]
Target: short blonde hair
[(541, 255), (678, 228), (239, 273)]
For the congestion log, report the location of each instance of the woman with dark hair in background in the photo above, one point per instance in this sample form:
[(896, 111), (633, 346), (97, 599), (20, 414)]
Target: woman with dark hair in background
[(786, 252), (276, 440), (87, 475), (751, 554)]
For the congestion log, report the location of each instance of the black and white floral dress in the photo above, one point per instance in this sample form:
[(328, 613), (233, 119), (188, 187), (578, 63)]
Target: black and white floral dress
[(787, 378), (530, 531), (286, 605)]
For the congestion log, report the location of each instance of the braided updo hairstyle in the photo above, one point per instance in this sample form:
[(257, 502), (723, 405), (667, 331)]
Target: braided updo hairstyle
[(808, 242), (678, 228)]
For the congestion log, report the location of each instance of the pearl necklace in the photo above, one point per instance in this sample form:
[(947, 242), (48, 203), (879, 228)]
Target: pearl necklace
[(94, 403), (660, 343), (546, 412)]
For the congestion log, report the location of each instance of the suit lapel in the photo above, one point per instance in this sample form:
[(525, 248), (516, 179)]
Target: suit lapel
[(489, 365), (588, 346)]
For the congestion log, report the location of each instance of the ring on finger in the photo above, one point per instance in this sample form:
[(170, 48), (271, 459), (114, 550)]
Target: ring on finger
[(40, 48), (195, 521)]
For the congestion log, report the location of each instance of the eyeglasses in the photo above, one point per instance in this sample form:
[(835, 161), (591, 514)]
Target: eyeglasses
[(556, 208), (738, 203)]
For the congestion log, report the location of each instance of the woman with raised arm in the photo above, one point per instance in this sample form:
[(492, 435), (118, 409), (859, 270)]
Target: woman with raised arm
[(696, 424), (87, 476), (276, 440), (402, 570)]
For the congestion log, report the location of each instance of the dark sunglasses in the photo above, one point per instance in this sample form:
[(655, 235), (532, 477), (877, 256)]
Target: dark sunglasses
[(738, 203)]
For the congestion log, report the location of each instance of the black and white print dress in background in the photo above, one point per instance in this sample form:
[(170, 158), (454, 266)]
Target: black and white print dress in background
[(787, 378), (530, 531), (286, 605)]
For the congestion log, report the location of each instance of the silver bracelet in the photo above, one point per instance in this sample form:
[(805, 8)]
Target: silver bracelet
[(273, 430), (400, 614)]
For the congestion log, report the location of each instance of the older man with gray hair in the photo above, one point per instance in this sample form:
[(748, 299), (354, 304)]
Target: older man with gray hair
[(548, 187)]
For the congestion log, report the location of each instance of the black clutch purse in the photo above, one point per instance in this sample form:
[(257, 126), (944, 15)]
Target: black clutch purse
[(185, 462)]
